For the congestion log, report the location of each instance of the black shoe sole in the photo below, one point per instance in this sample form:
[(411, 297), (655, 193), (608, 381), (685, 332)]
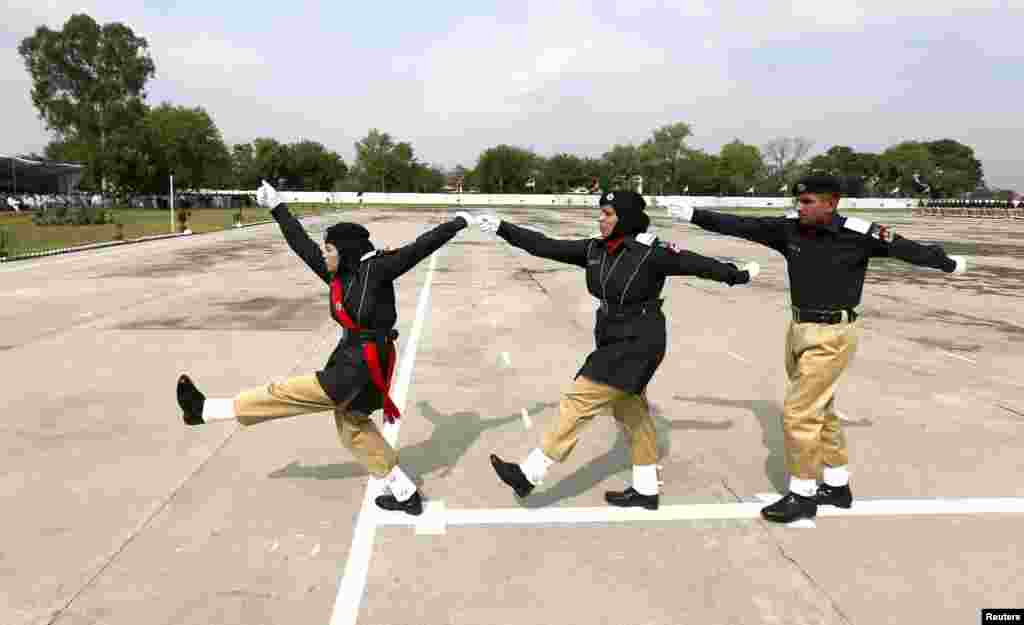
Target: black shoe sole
[(499, 466), (389, 503), (648, 506), (186, 392)]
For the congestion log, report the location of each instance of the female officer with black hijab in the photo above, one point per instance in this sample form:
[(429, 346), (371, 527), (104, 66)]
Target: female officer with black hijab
[(626, 271), (356, 380)]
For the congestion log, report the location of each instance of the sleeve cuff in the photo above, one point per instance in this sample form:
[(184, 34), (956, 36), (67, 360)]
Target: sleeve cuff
[(949, 265)]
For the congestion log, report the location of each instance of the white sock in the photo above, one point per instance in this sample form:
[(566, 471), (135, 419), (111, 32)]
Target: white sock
[(837, 476), (536, 466), (218, 409), (645, 479), (807, 488), (400, 484)]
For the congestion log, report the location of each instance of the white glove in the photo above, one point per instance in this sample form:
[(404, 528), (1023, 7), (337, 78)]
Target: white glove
[(470, 220), (752, 268), (489, 223), (961, 264), (680, 212), (268, 197)]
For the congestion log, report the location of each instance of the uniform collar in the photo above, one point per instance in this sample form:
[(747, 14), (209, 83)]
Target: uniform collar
[(369, 254), (612, 245)]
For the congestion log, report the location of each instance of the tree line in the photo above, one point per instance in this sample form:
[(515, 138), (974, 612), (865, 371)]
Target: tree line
[(89, 87)]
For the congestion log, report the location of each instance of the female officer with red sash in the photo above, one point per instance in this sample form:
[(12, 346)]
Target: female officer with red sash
[(356, 381)]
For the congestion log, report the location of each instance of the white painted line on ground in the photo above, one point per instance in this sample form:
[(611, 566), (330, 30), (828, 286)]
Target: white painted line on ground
[(738, 357), (432, 521), (973, 362), (690, 512), (353, 580), (505, 357), (526, 419)]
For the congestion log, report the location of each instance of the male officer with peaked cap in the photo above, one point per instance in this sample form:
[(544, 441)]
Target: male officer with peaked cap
[(827, 256)]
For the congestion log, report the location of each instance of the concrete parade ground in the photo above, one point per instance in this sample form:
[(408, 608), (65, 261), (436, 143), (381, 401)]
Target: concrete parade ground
[(116, 513)]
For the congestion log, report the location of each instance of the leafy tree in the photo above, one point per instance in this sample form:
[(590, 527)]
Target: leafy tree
[(504, 169), (739, 167), (88, 81)]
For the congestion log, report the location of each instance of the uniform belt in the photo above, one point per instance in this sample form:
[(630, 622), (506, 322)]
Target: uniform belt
[(806, 315), (372, 335), (624, 311)]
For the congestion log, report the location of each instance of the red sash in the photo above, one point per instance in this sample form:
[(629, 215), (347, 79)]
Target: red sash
[(370, 352)]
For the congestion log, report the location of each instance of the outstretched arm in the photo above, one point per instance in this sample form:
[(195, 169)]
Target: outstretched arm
[(887, 244), (768, 231), (670, 260), (918, 254), (572, 252), (300, 242), (395, 263)]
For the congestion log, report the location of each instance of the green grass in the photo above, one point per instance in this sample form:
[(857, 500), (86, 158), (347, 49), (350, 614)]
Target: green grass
[(23, 236)]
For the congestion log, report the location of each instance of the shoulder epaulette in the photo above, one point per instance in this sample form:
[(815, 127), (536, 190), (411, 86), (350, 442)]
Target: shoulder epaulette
[(870, 228), (670, 246)]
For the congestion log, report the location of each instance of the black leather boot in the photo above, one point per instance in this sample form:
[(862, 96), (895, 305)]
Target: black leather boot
[(511, 474), (413, 505), (629, 498), (191, 401), (790, 508), (838, 496)]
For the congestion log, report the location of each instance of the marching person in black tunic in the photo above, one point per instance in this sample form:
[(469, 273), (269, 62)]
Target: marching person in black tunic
[(356, 379), (827, 257), (626, 270)]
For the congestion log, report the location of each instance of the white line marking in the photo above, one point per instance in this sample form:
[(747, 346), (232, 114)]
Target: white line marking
[(274, 547), (526, 419), (315, 551), (505, 357), (973, 362), (432, 521), (353, 580), (878, 507), (738, 357)]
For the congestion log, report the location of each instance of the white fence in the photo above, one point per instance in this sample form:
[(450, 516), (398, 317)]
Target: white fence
[(530, 199)]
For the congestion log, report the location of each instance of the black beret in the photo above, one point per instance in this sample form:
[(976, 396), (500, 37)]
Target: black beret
[(623, 201), (817, 183), (345, 231)]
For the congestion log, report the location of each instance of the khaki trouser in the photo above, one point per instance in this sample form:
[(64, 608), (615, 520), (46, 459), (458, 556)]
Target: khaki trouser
[(303, 395), (585, 400), (816, 355)]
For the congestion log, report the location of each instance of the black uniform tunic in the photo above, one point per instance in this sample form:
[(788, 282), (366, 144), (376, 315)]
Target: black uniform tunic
[(369, 301), (826, 263), (630, 328)]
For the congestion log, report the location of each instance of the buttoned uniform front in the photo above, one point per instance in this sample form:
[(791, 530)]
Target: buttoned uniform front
[(827, 264)]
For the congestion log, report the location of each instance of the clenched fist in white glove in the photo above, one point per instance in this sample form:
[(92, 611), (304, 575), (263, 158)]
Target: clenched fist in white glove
[(752, 268), (470, 220), (489, 224), (961, 263), (680, 212), (268, 197)]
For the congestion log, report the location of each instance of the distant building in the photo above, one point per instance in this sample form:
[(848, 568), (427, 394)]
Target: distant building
[(21, 174)]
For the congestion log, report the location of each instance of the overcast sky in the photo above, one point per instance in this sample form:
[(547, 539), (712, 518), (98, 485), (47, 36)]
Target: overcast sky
[(457, 77)]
